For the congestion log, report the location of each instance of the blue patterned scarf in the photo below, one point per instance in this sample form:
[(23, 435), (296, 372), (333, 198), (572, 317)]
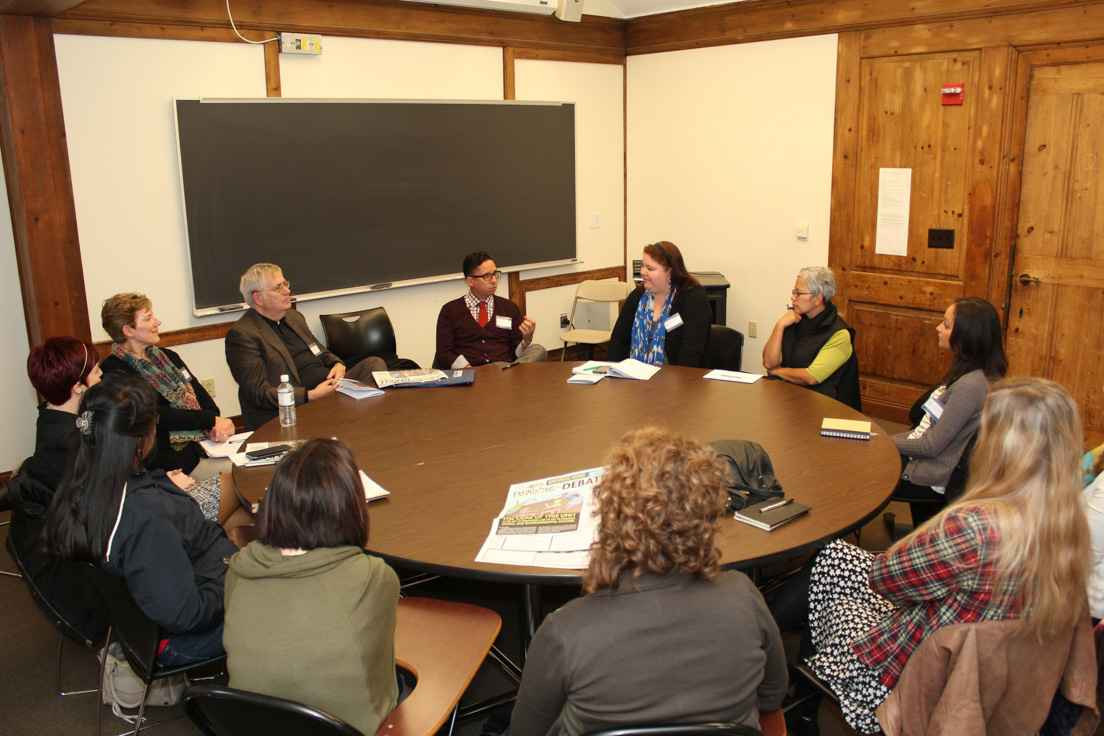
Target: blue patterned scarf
[(648, 336)]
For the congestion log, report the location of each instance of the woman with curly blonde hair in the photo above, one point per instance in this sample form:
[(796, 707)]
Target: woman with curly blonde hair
[(657, 603)]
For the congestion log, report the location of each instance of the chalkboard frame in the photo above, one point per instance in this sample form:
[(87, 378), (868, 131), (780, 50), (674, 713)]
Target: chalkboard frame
[(297, 182)]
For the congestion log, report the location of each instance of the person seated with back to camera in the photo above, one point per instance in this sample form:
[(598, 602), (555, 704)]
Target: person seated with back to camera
[(138, 525), (335, 618), (665, 321), (481, 327), (811, 345), (1014, 545), (663, 636), (271, 340)]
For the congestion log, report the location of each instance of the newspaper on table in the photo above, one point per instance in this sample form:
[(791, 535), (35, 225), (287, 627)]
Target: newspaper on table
[(545, 523)]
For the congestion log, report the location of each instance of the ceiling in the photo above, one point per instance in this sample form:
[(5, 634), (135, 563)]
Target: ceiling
[(637, 8)]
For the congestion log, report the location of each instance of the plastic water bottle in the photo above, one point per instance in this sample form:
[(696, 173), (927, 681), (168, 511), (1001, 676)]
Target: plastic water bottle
[(286, 395)]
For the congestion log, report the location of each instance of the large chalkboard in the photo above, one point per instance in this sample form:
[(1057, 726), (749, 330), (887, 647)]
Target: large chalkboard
[(354, 194)]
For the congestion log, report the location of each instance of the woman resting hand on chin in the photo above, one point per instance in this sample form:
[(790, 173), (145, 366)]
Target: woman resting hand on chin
[(665, 321)]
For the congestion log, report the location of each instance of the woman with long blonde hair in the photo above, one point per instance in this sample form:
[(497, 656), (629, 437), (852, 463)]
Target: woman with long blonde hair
[(1015, 545), (657, 603)]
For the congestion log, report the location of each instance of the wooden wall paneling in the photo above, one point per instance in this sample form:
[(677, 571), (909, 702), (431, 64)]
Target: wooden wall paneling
[(40, 189), (37, 7), (79, 27), (186, 336), (845, 159), (272, 69), (370, 19), (1047, 23), (582, 57), (509, 91), (761, 20)]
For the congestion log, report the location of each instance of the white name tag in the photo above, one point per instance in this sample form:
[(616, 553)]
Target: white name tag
[(187, 376), (315, 349), (934, 408), (504, 323), (673, 322)]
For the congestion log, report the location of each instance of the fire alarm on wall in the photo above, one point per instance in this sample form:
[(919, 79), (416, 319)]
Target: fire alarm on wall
[(952, 93)]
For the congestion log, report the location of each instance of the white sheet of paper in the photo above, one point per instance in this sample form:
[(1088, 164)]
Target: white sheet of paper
[(894, 192), (227, 448), (733, 376)]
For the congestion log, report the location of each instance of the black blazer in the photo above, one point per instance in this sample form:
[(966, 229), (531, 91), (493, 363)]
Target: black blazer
[(171, 419), (682, 346)]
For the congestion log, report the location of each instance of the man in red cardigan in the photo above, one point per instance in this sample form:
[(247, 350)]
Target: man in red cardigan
[(481, 328)]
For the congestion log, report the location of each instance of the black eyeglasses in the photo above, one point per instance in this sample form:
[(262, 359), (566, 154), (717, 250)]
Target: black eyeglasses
[(795, 292), (487, 276)]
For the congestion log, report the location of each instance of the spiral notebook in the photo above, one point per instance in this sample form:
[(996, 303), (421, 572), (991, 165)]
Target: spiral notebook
[(851, 429)]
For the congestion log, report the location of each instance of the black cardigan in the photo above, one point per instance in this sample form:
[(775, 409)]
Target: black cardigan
[(171, 419), (684, 345)]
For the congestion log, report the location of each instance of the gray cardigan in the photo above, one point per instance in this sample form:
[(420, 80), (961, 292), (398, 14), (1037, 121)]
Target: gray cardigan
[(934, 456)]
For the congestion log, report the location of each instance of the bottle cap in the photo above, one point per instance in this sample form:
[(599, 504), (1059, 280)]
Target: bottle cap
[(284, 378)]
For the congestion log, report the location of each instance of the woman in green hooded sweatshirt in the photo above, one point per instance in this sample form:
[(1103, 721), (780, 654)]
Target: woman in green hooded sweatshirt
[(309, 616)]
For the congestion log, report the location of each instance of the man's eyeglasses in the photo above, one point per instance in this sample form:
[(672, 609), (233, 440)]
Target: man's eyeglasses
[(487, 276), (795, 292), (280, 287)]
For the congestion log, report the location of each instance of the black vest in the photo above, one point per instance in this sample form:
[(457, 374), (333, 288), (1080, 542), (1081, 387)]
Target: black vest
[(802, 342)]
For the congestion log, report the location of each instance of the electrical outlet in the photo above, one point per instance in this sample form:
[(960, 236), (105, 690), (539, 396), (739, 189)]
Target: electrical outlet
[(564, 322), (753, 328), (301, 43), (209, 384)]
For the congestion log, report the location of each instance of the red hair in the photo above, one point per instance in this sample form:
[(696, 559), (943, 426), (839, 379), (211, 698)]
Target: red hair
[(58, 364)]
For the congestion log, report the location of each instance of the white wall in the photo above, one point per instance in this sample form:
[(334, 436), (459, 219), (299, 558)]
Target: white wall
[(728, 149), (17, 400)]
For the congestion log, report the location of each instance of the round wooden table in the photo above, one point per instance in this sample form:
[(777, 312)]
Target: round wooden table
[(449, 454)]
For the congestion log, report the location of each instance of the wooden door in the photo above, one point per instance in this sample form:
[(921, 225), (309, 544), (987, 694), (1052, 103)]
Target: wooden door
[(890, 115), (1057, 286)]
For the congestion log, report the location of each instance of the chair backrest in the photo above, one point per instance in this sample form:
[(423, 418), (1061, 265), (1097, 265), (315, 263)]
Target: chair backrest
[(353, 336), (138, 635), (223, 711), (703, 729), (603, 291), (725, 349)]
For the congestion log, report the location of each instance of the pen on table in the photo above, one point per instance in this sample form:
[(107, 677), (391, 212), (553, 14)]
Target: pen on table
[(774, 506), (511, 365)]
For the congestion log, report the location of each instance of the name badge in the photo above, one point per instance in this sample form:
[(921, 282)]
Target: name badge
[(504, 323), (933, 408), (187, 376), (315, 349), (673, 322)]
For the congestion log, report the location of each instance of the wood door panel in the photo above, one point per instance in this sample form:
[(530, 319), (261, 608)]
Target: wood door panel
[(904, 125), (886, 339), (900, 290), (1054, 327)]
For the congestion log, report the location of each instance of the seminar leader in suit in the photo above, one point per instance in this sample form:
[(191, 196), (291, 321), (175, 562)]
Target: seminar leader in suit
[(272, 339)]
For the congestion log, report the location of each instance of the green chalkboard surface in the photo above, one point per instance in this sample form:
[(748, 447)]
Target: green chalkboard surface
[(348, 194)]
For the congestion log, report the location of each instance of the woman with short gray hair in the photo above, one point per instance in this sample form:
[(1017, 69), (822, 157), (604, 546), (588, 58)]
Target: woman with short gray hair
[(811, 345)]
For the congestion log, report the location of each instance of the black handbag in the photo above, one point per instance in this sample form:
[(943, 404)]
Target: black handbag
[(750, 473)]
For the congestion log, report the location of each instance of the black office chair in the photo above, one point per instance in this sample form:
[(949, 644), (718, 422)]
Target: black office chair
[(725, 349), (223, 711), (140, 638), (354, 336), (703, 729), (6, 505)]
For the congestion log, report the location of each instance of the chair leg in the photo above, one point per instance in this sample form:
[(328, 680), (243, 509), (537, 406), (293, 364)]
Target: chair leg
[(62, 693), (452, 720), (99, 690), (141, 710), (11, 574)]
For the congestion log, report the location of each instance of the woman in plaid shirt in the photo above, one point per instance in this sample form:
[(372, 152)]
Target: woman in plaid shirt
[(1016, 544)]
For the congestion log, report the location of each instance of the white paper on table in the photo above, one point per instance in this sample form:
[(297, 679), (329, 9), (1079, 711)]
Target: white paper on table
[(894, 193), (633, 368), (242, 461), (372, 489), (356, 389), (224, 449), (734, 376), (586, 377)]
